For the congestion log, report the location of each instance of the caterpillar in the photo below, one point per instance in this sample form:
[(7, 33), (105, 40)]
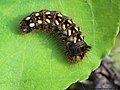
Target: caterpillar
[(62, 26)]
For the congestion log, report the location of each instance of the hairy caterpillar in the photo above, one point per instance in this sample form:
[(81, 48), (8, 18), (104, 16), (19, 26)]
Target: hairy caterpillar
[(63, 27)]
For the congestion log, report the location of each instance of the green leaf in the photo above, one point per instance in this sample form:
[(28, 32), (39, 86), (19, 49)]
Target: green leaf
[(36, 61)]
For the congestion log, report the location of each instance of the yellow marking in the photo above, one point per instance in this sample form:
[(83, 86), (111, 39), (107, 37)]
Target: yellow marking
[(38, 17), (78, 39), (60, 19), (49, 16), (68, 25), (30, 20), (73, 31), (35, 18)]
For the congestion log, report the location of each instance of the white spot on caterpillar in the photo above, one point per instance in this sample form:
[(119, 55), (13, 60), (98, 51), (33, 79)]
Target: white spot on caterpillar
[(59, 15), (31, 24), (63, 26), (40, 21), (37, 14), (69, 21), (56, 22), (76, 28), (27, 18), (82, 37), (47, 12), (24, 29), (78, 39), (73, 31), (69, 32), (48, 21), (75, 39)]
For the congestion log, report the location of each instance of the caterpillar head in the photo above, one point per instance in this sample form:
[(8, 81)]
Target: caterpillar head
[(78, 50), (27, 25)]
